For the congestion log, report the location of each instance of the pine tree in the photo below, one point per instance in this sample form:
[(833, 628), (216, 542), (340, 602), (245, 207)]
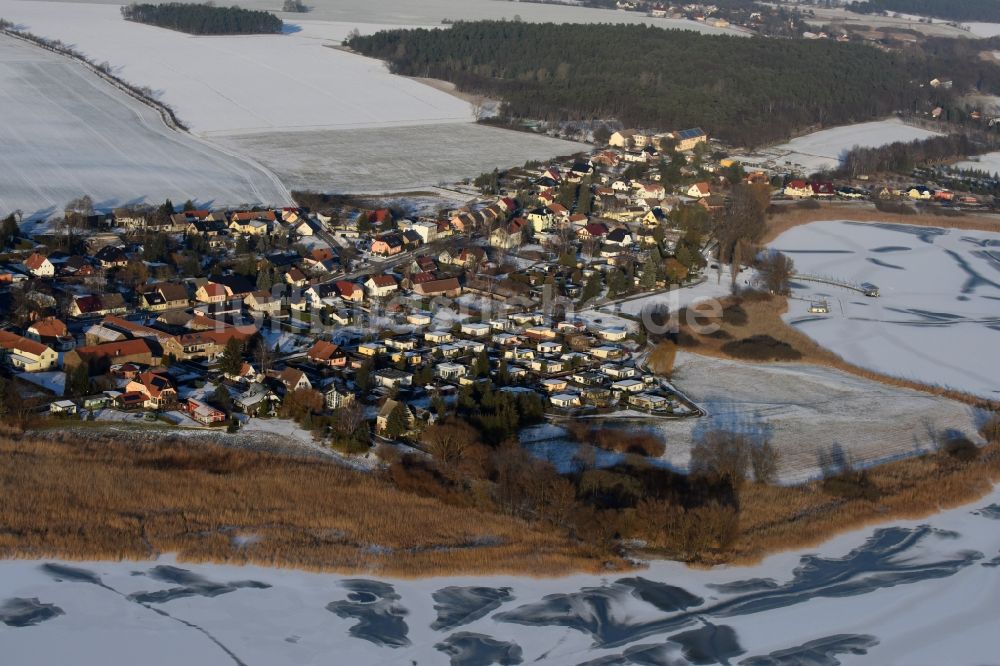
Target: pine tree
[(231, 360), (647, 279)]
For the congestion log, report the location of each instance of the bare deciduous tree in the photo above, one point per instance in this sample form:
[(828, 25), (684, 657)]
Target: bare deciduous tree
[(777, 270)]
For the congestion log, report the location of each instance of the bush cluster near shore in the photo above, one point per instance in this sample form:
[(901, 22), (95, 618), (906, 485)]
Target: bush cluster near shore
[(204, 19)]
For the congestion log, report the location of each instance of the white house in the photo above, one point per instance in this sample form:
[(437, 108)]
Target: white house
[(448, 371), (565, 400)]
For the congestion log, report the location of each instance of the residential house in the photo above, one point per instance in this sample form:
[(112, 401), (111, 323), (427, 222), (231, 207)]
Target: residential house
[(450, 371), (384, 415), (699, 190), (163, 296), (40, 266), (100, 358), (294, 379), (26, 355), (448, 287), (337, 396), (112, 256), (328, 354), (392, 378), (204, 413), (159, 391), (510, 235), (255, 399), (92, 305), (51, 332), (380, 286), (798, 189), (541, 218), (565, 400), (349, 291), (689, 138), (211, 292), (387, 245), (263, 302), (626, 138)]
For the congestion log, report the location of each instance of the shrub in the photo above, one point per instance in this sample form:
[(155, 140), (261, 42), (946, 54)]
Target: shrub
[(808, 204), (852, 484), (961, 448), (735, 315), (761, 348)]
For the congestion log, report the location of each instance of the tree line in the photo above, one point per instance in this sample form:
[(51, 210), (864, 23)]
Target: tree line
[(747, 91), (904, 156), (204, 19), (954, 10)]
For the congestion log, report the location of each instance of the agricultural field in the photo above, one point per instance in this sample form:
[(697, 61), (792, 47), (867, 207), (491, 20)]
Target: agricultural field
[(937, 317), (435, 12), (320, 117), (392, 159), (825, 150), (66, 133), (862, 597)]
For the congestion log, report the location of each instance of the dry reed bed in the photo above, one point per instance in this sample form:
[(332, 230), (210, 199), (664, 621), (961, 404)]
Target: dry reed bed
[(794, 217), (774, 518), (109, 500)]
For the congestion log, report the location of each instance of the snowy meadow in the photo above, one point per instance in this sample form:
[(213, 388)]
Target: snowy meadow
[(66, 132), (938, 318), (913, 592)]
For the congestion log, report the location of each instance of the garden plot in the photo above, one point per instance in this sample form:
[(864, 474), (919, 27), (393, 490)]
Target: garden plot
[(65, 133), (938, 318), (908, 592), (824, 150)]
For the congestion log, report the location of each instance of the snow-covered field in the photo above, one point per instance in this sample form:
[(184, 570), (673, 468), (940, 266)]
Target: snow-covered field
[(243, 83), (809, 413), (910, 592), (318, 116), (66, 133), (990, 162), (430, 13), (938, 318), (825, 149), (983, 29), (393, 159)]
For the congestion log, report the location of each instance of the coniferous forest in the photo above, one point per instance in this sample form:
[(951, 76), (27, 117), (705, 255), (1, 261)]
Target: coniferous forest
[(204, 19), (745, 90)]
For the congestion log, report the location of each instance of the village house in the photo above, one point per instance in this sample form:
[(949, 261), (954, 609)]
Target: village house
[(112, 256), (380, 286), (293, 379), (39, 266), (51, 332), (688, 139), (553, 385), (204, 413), (26, 355), (565, 400), (798, 189), (541, 219), (255, 399), (211, 292), (337, 396), (475, 329), (262, 302), (100, 358), (384, 415), (349, 291), (163, 296), (159, 391), (448, 287), (450, 371), (699, 190), (328, 354), (94, 305), (387, 245), (391, 378)]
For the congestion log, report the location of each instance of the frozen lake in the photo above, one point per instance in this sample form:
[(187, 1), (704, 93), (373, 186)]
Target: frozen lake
[(65, 133), (909, 592), (938, 318)]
